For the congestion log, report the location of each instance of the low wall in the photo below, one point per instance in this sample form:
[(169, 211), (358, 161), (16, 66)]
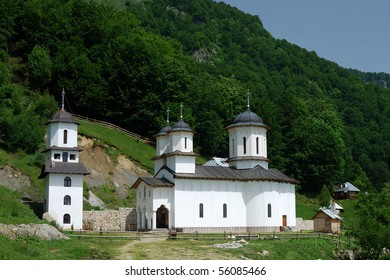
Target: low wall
[(124, 219), (304, 224)]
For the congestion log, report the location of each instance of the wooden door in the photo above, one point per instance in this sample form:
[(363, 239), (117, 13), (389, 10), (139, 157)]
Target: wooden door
[(284, 218)]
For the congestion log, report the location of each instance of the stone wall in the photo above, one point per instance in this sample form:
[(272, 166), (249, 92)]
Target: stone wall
[(304, 224), (124, 219)]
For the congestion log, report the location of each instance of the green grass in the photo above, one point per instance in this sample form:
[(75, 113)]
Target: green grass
[(110, 198), (13, 210), (306, 207), (138, 151), (282, 249), (74, 249)]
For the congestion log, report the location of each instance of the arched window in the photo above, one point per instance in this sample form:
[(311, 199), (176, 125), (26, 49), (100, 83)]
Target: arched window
[(269, 210), (185, 143), (201, 210), (233, 146), (67, 182), (257, 145), (65, 136), (224, 210), (66, 219), (244, 144), (67, 200)]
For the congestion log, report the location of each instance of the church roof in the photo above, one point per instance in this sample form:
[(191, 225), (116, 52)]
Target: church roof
[(216, 161), (247, 118), (181, 126), (63, 168), (257, 173), (62, 116), (153, 182), (165, 130), (56, 148)]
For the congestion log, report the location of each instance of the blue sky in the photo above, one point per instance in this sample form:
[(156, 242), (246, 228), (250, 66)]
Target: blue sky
[(353, 33)]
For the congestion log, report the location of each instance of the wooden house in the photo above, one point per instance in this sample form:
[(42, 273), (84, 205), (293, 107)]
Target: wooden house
[(346, 191), (327, 221)]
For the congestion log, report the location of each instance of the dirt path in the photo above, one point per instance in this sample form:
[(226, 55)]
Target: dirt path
[(127, 251)]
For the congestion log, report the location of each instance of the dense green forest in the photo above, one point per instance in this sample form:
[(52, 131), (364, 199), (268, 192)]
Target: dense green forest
[(127, 64)]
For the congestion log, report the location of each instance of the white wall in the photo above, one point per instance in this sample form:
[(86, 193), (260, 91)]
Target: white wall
[(212, 194), (56, 135), (55, 199)]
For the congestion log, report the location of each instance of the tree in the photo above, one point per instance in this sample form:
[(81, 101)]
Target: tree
[(40, 67), (372, 229)]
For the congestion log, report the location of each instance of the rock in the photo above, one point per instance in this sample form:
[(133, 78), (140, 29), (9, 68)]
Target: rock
[(41, 231), (230, 245)]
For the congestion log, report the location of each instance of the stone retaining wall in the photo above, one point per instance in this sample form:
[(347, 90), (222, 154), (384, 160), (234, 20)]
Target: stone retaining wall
[(304, 224), (123, 219)]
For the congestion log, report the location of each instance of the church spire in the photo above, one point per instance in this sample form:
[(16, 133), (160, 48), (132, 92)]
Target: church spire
[(63, 99), (181, 110), (168, 116), (248, 94)]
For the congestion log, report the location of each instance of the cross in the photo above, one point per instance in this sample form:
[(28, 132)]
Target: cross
[(181, 110), (168, 115), (63, 99), (248, 94)]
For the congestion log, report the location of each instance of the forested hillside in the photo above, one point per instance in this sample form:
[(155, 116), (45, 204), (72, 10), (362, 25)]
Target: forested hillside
[(127, 65)]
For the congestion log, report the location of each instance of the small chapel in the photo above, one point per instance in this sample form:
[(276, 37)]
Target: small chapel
[(238, 194), (62, 172)]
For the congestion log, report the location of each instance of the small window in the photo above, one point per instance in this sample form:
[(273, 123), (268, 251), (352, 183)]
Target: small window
[(149, 192), (66, 219), (233, 146), (57, 156), (67, 200), (72, 157), (244, 144), (257, 145), (269, 210), (201, 210), (185, 143), (65, 136), (145, 191), (224, 210), (67, 182)]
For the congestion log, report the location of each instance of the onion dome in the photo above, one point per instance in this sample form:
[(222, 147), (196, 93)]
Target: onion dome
[(62, 116), (247, 118), (164, 131), (181, 126)]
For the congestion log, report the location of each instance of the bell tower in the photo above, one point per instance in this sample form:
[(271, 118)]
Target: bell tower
[(248, 141), (175, 147), (62, 171)]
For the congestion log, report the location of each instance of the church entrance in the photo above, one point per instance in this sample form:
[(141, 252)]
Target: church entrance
[(162, 217)]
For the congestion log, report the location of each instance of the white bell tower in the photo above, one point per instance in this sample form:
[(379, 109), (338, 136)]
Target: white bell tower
[(62, 171), (248, 141), (175, 147)]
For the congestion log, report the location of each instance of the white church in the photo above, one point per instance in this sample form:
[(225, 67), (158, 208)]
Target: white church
[(62, 171), (241, 194)]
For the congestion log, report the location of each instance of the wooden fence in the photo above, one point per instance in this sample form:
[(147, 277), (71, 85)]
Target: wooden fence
[(115, 127)]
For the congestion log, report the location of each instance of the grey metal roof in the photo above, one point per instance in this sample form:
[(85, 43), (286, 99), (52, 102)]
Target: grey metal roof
[(216, 161), (257, 173), (61, 149), (247, 118), (330, 214), (63, 168), (62, 116), (164, 131), (347, 187), (181, 126), (154, 182), (175, 153)]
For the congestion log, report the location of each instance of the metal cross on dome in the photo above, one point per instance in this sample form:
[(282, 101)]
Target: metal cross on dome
[(248, 94), (181, 110), (168, 115), (63, 98)]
